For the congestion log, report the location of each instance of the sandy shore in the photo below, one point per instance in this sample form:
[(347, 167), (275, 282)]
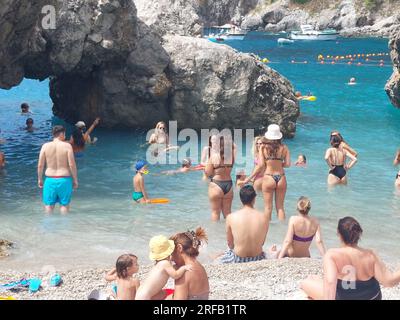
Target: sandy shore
[(268, 279)]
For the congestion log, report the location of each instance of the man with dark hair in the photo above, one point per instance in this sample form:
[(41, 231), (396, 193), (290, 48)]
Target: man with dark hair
[(29, 125), (246, 230), (61, 173), (25, 108)]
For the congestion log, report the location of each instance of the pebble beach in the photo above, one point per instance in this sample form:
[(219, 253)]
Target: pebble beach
[(261, 280)]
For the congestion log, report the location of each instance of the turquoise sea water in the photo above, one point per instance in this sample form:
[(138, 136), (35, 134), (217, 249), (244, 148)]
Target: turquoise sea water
[(104, 223)]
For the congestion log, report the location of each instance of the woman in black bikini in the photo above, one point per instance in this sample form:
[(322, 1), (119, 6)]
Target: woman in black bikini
[(274, 157), (218, 169), (350, 272), (336, 159)]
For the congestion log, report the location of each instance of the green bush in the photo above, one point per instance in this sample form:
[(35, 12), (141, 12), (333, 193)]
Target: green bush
[(370, 3)]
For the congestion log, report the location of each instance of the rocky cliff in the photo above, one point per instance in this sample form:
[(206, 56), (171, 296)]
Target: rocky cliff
[(351, 17), (187, 17), (392, 87), (105, 61)]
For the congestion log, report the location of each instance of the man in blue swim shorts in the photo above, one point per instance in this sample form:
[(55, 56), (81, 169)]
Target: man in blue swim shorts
[(61, 173)]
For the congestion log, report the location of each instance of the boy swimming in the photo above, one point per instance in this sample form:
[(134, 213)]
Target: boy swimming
[(140, 195), (161, 250), (125, 268), (186, 167)]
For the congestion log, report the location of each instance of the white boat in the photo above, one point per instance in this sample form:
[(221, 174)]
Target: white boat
[(308, 33), (284, 41), (228, 32)]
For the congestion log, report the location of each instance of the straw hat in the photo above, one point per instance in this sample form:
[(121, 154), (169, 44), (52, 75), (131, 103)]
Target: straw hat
[(273, 132), (160, 248)]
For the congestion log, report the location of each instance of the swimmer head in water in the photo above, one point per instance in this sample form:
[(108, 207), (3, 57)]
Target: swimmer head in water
[(301, 160), (186, 163), (352, 81)]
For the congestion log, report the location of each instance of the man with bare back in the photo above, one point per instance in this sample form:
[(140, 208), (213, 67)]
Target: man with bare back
[(61, 173)]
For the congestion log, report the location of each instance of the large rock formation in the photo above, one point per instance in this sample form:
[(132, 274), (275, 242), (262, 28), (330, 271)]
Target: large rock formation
[(104, 61), (351, 17), (224, 86), (187, 17), (392, 87)]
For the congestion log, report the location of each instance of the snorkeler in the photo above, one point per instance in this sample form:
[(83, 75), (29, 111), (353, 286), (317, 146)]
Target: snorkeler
[(139, 194)]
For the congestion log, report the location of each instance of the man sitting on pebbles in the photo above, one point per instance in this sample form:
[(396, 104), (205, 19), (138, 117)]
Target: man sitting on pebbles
[(246, 231)]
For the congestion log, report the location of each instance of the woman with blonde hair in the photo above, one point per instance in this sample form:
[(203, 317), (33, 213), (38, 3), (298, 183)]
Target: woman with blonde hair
[(160, 139), (274, 157), (301, 231), (160, 135), (218, 169), (192, 285), (258, 179)]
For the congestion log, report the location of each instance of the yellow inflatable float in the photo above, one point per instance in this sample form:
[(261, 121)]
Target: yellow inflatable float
[(310, 98)]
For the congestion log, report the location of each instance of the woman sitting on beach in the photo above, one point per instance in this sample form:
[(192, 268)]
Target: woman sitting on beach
[(192, 285), (301, 231), (274, 156), (160, 251), (218, 169), (335, 157), (396, 162), (350, 272), (343, 144), (258, 179)]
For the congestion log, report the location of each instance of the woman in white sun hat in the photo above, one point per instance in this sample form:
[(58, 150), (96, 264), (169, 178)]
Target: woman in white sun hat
[(274, 156)]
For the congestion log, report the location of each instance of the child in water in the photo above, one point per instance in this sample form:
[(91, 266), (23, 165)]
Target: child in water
[(160, 251), (240, 176), (140, 195), (125, 268), (186, 167), (301, 161)]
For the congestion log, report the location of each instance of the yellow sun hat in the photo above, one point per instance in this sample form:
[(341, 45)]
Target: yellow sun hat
[(160, 248)]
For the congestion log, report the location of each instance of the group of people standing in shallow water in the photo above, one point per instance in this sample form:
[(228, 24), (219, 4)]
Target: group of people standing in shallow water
[(246, 229)]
